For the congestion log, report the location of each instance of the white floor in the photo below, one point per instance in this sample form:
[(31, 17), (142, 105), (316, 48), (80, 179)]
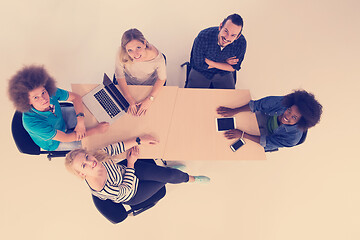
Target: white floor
[(308, 192)]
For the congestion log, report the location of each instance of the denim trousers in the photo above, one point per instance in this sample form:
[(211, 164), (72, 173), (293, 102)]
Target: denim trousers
[(69, 116)]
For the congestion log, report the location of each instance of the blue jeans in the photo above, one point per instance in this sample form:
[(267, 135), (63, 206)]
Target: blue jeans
[(69, 116)]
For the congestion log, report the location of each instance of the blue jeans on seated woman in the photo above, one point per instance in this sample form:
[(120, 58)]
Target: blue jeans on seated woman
[(69, 116)]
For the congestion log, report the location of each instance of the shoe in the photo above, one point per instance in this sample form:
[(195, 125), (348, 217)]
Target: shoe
[(178, 167), (201, 179)]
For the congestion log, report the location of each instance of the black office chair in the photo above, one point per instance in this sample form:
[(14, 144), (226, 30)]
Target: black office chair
[(24, 142), (188, 68), (116, 212), (116, 82), (302, 140)]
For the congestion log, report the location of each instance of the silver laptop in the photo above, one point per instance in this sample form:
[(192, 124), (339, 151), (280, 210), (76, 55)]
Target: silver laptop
[(106, 102)]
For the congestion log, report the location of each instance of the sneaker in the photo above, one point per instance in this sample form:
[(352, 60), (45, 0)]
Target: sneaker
[(201, 179)]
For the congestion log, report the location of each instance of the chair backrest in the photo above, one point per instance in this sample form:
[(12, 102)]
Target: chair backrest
[(188, 69), (22, 139), (114, 212)]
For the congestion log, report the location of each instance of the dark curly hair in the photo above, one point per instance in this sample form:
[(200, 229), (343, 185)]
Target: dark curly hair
[(26, 80), (309, 108)]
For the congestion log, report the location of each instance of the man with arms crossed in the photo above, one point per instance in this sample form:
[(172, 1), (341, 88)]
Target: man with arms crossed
[(216, 53)]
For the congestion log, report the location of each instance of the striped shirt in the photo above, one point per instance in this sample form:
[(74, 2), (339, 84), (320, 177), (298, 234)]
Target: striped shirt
[(121, 183), (115, 148)]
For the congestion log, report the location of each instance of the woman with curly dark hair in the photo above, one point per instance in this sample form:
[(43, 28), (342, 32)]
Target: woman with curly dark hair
[(34, 93), (282, 119)]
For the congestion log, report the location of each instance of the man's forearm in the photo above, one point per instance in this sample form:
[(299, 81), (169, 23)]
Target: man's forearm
[(219, 65)]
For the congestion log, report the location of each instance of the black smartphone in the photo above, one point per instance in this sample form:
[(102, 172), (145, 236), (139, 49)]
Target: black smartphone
[(238, 144), (224, 124)]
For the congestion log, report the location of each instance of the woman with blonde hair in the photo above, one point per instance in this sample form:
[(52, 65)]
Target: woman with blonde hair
[(139, 63), (129, 181)]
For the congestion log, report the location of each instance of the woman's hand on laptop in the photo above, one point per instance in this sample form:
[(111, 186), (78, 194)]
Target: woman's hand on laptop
[(143, 106), (133, 109)]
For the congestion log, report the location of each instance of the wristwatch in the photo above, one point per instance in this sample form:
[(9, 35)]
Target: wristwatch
[(80, 114), (151, 98), (138, 140)]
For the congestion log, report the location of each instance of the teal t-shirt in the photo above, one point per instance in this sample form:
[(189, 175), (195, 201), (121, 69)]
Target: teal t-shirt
[(42, 126)]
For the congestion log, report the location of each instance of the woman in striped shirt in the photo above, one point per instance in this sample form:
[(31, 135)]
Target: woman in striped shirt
[(131, 181)]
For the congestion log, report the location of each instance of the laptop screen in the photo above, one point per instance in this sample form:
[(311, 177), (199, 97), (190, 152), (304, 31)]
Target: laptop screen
[(118, 97), (115, 93)]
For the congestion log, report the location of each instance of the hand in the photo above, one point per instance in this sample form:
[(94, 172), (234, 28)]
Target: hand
[(209, 62), (143, 106), (132, 109), (131, 156), (80, 130), (233, 133), (102, 127), (232, 61), (225, 111), (148, 139)]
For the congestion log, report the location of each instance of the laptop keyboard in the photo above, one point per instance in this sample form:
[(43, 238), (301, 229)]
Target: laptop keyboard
[(107, 103)]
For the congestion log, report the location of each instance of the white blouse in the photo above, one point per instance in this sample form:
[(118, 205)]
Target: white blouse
[(141, 73)]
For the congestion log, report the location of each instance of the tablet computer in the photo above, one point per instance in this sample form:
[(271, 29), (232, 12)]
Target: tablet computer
[(224, 124)]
